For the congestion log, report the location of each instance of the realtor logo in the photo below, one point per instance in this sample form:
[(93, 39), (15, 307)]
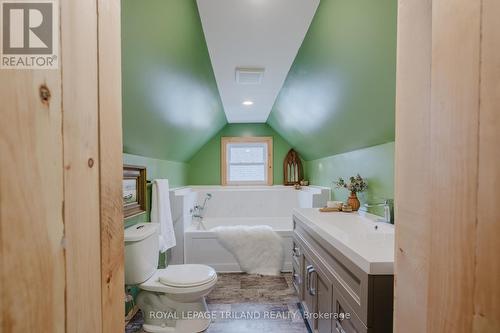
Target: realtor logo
[(29, 34)]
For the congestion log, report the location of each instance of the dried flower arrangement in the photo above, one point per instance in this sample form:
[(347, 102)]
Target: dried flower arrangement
[(356, 184)]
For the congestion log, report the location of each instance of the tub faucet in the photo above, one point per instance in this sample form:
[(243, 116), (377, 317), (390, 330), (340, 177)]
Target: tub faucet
[(197, 210), (387, 209)]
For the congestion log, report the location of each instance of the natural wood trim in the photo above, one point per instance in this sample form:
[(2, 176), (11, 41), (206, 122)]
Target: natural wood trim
[(111, 171), (242, 139), (446, 216), (65, 191), (486, 316), (453, 154), (32, 264), (81, 160), (412, 188)]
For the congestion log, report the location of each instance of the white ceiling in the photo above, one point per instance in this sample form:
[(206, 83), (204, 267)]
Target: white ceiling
[(253, 34)]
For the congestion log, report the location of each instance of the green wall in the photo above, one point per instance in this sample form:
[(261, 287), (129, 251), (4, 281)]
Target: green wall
[(204, 167), (171, 104), (375, 164), (339, 94)]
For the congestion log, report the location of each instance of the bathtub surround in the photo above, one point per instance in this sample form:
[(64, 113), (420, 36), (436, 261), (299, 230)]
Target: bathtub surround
[(204, 166), (375, 164), (243, 205), (257, 249)]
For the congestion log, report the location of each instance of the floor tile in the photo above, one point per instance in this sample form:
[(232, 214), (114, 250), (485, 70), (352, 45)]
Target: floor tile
[(250, 303)]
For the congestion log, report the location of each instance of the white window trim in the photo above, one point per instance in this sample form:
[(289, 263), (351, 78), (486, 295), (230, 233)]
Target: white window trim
[(225, 141)]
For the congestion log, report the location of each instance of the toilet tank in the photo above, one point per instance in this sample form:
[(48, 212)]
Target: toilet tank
[(141, 252)]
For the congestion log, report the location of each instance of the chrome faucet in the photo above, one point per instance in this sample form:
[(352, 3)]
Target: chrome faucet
[(387, 209), (197, 210)]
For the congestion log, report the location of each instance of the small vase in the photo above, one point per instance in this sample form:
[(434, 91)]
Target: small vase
[(353, 201)]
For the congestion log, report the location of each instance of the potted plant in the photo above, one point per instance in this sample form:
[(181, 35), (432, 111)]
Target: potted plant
[(355, 185)]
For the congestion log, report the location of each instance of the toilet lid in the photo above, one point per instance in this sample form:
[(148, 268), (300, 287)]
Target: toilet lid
[(188, 275)]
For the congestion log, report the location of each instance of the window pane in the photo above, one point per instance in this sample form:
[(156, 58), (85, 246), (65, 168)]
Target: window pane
[(246, 154), (247, 173)]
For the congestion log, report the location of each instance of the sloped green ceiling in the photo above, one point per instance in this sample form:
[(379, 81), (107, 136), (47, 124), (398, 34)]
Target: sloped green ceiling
[(171, 104), (204, 167), (339, 95)]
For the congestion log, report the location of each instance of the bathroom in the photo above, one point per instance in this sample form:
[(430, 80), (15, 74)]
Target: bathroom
[(185, 112), (303, 166)]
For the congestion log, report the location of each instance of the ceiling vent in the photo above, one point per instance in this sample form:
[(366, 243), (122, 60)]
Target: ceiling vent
[(249, 75)]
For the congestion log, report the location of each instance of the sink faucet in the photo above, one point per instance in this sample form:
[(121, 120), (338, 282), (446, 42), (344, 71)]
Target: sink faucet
[(197, 210), (387, 209)]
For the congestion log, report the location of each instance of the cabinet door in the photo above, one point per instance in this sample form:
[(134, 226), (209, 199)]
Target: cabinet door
[(309, 299), (298, 270), (317, 297), (298, 282), (323, 290), (344, 324)]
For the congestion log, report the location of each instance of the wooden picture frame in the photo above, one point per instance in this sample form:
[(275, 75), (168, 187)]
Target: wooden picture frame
[(134, 190)]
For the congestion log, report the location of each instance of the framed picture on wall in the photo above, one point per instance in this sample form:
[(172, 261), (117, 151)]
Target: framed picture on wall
[(134, 190)]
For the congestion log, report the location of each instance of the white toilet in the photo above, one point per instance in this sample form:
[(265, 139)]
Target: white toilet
[(171, 299)]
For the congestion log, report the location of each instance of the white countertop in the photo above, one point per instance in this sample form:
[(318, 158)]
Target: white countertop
[(367, 243)]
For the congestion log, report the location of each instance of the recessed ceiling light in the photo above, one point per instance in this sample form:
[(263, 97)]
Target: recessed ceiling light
[(247, 103)]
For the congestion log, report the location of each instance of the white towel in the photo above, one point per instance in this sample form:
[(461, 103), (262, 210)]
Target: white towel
[(161, 213), (258, 249)]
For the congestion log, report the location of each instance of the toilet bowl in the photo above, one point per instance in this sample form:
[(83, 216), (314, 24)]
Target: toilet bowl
[(171, 299)]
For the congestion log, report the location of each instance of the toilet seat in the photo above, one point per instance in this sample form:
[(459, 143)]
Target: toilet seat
[(198, 282), (189, 275)]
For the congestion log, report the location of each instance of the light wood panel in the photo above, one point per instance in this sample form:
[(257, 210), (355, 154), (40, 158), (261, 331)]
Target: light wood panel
[(81, 162), (453, 161), (487, 272), (110, 156), (55, 195), (31, 203), (448, 167), (411, 167)]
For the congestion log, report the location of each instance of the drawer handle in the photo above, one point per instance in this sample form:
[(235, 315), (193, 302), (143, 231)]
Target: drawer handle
[(338, 326), (296, 251), (296, 279), (310, 271)]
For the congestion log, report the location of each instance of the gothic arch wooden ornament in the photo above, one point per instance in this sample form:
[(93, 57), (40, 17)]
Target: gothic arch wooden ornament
[(292, 168)]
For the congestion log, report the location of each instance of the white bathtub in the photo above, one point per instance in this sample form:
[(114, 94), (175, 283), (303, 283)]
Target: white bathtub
[(201, 245), (229, 206)]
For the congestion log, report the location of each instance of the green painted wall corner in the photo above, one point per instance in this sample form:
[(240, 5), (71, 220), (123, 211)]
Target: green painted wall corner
[(204, 166)]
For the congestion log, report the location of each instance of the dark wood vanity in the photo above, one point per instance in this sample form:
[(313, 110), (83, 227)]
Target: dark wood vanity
[(344, 297)]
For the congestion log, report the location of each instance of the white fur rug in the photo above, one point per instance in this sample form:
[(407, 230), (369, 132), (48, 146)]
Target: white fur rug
[(258, 249)]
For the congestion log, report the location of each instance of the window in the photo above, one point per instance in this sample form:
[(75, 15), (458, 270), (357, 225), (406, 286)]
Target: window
[(247, 161)]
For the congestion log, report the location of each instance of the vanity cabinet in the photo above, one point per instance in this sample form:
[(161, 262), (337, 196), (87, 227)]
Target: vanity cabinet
[(337, 296)]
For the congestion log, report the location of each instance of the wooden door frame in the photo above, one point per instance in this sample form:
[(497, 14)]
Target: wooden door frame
[(61, 225), (447, 167)]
